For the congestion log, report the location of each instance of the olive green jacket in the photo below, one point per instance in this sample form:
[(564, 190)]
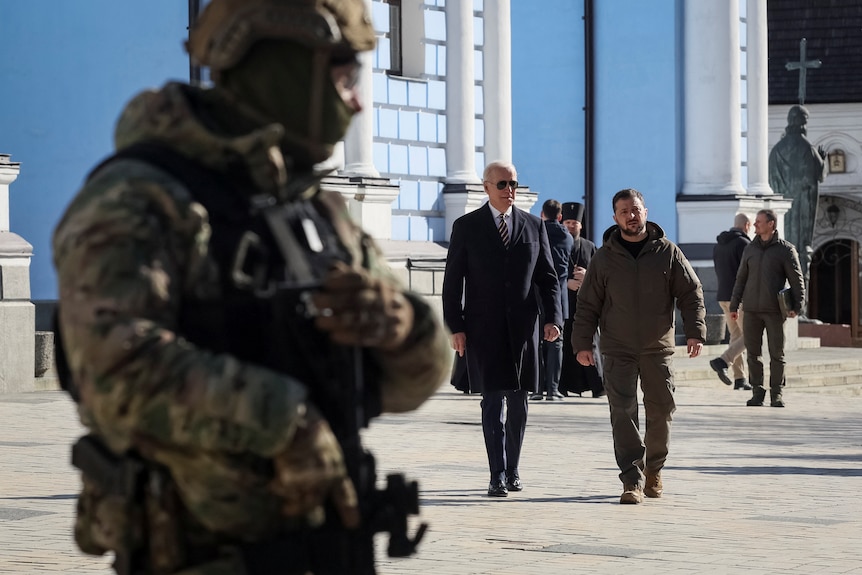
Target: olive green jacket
[(632, 300), (765, 269)]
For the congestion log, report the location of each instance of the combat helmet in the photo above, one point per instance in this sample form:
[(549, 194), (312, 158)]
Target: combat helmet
[(226, 29)]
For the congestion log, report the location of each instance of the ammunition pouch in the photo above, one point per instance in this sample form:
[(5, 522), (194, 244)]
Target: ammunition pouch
[(127, 506), (110, 513)]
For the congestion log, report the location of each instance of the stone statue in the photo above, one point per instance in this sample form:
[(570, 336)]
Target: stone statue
[(796, 169)]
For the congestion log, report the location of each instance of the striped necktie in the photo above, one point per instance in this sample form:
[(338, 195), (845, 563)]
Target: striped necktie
[(504, 230)]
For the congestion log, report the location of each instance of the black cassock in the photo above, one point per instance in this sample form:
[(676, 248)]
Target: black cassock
[(576, 378)]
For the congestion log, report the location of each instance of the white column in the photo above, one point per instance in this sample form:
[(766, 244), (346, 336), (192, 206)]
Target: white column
[(712, 118), (758, 98), (497, 79), (359, 141), (460, 83), (17, 313)]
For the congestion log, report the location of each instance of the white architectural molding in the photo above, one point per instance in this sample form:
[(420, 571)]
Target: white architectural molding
[(497, 80), (8, 174), (460, 199), (712, 103), (848, 225), (700, 221), (17, 313), (369, 201)]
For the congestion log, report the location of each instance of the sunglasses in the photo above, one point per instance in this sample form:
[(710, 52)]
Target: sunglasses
[(502, 184)]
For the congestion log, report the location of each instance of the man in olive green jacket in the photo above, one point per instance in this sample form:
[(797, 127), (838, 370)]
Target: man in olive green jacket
[(768, 264), (629, 292)]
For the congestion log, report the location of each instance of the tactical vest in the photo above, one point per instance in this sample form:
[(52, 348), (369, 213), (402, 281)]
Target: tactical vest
[(259, 313)]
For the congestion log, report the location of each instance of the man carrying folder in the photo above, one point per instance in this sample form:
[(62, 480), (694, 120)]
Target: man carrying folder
[(768, 264)]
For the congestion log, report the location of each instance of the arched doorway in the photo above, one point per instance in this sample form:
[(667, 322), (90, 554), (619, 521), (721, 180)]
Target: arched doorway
[(834, 285)]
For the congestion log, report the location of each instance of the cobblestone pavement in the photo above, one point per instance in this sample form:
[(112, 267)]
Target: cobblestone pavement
[(747, 490)]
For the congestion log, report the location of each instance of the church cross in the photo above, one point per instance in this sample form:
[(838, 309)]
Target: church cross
[(802, 65)]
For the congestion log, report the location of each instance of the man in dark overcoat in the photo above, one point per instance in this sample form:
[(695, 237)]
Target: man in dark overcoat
[(499, 275), (561, 243)]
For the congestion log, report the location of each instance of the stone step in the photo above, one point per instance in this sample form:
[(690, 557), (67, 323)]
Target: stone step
[(714, 350), (801, 371), (808, 368)]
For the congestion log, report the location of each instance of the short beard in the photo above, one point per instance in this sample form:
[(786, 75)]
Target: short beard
[(626, 234)]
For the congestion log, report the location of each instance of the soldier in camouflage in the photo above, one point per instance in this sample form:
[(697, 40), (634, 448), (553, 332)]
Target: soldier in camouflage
[(226, 326)]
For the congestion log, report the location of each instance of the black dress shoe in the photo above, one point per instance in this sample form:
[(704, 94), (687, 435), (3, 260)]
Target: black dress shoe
[(719, 366), (497, 489), (514, 484)]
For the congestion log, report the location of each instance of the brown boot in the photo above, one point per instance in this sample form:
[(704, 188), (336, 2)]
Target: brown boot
[(632, 494), (653, 487), (757, 395)]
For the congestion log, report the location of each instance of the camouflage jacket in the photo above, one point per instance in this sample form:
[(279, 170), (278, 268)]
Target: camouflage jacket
[(128, 249)]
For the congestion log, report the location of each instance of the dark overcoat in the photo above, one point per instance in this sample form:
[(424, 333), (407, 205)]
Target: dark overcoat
[(561, 243), (494, 295)]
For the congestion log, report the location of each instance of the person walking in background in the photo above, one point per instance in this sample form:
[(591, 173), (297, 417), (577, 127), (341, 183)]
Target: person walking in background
[(726, 256), (561, 243), (499, 277), (768, 264), (576, 378), (630, 289)]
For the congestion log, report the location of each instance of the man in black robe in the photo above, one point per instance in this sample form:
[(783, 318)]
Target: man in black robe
[(576, 378)]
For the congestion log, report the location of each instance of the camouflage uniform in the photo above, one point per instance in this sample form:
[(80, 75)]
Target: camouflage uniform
[(132, 247)]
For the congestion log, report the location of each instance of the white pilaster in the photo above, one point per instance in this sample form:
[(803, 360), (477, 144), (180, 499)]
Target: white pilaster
[(497, 80), (369, 201), (460, 84), (460, 199), (17, 313), (712, 119), (758, 98), (359, 142), (463, 201)]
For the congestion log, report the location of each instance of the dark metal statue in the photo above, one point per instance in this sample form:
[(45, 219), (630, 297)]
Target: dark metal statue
[(796, 169)]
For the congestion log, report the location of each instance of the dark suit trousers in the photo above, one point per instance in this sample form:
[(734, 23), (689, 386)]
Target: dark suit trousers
[(504, 419)]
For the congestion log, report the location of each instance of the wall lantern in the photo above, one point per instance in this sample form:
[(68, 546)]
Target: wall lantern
[(832, 213), (836, 162)]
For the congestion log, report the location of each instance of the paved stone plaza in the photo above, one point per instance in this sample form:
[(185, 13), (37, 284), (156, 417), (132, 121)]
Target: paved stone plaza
[(747, 490)]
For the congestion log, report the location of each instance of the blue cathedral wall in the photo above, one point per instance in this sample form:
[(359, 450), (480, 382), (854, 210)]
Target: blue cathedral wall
[(66, 70), (548, 98), (637, 106)]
